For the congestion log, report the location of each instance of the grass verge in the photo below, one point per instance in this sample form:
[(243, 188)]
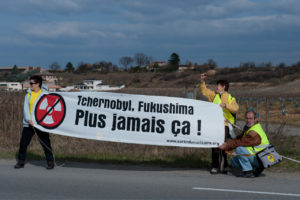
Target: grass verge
[(154, 155)]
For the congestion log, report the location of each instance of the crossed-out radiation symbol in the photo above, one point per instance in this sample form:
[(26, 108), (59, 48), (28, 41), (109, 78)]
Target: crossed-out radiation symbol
[(50, 111)]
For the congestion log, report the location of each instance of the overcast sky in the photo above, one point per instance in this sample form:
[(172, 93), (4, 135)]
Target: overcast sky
[(39, 32)]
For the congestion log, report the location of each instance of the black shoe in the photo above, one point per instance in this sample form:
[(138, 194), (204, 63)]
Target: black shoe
[(258, 171), (227, 170), (19, 165), (247, 174), (50, 165)]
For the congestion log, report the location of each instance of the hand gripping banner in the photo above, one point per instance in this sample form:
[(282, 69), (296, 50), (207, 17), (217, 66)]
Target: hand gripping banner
[(140, 119)]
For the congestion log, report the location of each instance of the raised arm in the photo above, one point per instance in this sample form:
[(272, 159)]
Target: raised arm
[(209, 94)]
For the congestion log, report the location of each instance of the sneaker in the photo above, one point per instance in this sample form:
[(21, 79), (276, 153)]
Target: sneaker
[(19, 165), (214, 170), (50, 165), (247, 174)]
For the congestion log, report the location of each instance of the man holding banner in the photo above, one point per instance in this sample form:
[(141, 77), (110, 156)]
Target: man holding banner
[(230, 108), (36, 88)]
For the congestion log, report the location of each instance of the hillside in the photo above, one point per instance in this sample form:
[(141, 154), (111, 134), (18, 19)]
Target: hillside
[(249, 82)]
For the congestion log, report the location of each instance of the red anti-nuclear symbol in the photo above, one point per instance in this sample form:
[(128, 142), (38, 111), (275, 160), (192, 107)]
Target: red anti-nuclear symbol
[(50, 111)]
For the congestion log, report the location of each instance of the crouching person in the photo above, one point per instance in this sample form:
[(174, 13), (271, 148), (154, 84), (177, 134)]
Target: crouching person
[(250, 142)]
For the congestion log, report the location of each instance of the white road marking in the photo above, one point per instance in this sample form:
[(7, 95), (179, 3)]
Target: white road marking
[(246, 191)]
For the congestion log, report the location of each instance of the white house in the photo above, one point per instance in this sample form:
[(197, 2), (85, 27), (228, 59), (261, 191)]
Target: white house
[(48, 77), (11, 86), (92, 85)]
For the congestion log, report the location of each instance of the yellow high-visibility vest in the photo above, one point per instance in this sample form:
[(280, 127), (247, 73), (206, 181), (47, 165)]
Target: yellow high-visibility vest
[(226, 112), (264, 139)]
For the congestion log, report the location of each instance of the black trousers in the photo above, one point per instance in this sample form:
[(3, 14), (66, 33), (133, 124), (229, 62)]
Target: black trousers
[(219, 157), (26, 137)]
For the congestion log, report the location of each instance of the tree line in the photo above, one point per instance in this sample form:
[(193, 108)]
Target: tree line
[(141, 62), (136, 63)]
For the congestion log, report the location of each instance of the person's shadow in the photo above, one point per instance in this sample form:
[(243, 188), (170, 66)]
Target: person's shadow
[(39, 160)]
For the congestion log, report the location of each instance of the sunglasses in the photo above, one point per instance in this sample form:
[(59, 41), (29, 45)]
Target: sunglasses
[(31, 83)]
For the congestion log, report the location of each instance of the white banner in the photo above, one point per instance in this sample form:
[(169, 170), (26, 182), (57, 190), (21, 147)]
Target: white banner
[(140, 119)]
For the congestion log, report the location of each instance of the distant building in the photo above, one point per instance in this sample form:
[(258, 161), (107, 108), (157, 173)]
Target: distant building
[(10, 86), (48, 77), (53, 88), (91, 85), (182, 68), (20, 69), (156, 64)]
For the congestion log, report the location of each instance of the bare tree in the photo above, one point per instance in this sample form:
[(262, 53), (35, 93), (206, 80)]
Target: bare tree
[(212, 64), (149, 60), (82, 67), (141, 59), (103, 66), (54, 66), (125, 61)]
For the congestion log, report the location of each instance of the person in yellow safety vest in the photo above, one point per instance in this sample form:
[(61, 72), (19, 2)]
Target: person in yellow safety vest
[(246, 145), (230, 108)]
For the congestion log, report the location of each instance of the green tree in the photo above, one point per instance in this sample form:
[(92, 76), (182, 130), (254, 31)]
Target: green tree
[(20, 76), (174, 61), (15, 70), (69, 67)]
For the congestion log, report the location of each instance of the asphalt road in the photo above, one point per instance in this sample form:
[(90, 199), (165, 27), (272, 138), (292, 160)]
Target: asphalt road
[(104, 181)]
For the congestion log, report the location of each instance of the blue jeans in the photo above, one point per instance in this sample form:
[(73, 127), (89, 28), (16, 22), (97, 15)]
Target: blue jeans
[(243, 162)]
